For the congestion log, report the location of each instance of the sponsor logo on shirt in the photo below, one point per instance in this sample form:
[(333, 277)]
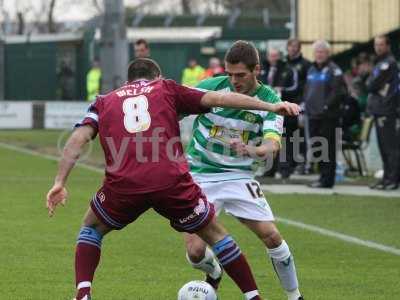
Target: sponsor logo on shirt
[(225, 135)]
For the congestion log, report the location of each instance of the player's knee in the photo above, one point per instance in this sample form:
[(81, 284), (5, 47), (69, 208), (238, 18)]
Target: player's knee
[(195, 254), (91, 220), (272, 239), (212, 233)]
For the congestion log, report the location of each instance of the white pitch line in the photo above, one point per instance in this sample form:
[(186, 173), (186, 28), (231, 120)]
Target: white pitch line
[(340, 236), (312, 228), (47, 156), (353, 190)]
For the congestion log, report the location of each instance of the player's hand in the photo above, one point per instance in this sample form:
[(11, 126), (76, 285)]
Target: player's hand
[(286, 109), (239, 147), (57, 195)]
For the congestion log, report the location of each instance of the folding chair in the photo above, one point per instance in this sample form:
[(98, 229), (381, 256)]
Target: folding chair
[(358, 146)]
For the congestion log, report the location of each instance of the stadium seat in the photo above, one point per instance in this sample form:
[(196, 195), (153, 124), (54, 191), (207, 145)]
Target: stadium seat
[(357, 147)]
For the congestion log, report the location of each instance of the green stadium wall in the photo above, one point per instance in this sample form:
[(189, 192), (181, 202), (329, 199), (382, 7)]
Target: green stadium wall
[(32, 68)]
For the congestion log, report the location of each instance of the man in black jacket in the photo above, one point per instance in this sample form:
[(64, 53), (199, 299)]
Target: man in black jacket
[(383, 104), (284, 79), (277, 74), (299, 64), (323, 94), (296, 61)]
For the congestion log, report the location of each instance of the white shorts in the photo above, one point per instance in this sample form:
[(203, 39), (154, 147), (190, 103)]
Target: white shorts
[(240, 198)]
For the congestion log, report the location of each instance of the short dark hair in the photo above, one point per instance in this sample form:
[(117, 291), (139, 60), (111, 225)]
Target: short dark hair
[(142, 41), (293, 41), (243, 52), (145, 68), (384, 37)]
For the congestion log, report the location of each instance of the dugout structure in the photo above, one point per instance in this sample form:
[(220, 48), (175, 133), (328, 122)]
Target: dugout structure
[(34, 66), (38, 67)]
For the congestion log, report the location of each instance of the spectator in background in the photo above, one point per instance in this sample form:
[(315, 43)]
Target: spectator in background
[(214, 68), (277, 74), (93, 81), (296, 61), (355, 104), (66, 81), (351, 120), (324, 92), (193, 74), (142, 49), (359, 81), (383, 105)]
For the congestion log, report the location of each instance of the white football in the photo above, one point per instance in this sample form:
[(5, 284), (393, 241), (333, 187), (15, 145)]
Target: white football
[(197, 290)]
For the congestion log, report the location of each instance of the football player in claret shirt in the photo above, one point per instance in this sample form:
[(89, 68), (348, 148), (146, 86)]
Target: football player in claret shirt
[(148, 170)]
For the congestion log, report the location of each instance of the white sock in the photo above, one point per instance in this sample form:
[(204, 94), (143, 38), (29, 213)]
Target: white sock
[(84, 298), (284, 267), (251, 295), (293, 295), (208, 264)]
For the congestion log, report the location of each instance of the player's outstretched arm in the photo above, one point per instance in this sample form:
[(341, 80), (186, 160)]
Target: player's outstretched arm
[(240, 101), (72, 150)]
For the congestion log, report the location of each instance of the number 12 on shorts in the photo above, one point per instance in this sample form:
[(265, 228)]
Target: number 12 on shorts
[(254, 189)]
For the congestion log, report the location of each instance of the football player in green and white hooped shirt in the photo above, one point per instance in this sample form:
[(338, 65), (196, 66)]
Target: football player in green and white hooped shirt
[(221, 151)]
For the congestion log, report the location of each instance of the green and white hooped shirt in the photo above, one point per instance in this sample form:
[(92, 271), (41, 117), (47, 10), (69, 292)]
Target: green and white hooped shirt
[(208, 152)]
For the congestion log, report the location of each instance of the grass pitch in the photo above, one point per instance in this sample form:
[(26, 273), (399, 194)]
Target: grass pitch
[(146, 260)]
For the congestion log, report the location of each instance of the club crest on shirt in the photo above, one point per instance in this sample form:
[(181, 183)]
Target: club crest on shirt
[(384, 66), (249, 117)]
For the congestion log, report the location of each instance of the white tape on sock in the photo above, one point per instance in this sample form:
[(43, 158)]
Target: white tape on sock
[(84, 284), (251, 295)]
